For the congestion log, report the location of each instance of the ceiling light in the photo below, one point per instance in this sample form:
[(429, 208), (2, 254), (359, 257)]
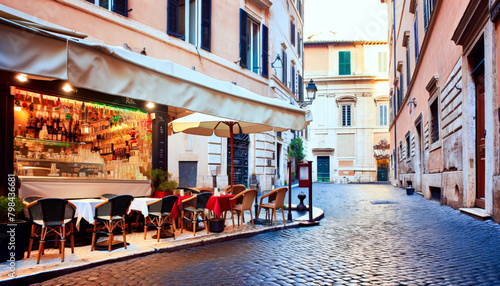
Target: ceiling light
[(150, 105), (67, 87), (22, 77)]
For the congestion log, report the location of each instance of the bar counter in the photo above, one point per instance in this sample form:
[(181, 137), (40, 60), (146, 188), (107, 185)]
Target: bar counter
[(77, 188)]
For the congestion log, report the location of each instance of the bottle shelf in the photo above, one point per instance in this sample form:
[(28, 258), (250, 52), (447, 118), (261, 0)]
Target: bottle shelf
[(49, 142)]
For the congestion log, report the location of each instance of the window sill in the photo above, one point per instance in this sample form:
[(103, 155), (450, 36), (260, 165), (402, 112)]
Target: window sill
[(435, 145)]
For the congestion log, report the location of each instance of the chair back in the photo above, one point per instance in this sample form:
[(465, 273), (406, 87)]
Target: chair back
[(280, 197), (107, 196), (28, 200), (115, 206), (202, 200), (237, 189), (189, 191), (248, 198), (168, 203), (53, 211)]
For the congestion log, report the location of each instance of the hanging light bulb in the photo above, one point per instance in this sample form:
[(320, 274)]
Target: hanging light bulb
[(67, 87)]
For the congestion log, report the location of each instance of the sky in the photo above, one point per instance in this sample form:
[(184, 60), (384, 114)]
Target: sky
[(347, 19)]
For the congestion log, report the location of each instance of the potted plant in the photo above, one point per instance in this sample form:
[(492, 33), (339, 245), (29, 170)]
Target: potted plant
[(296, 153), (161, 183), (12, 230)]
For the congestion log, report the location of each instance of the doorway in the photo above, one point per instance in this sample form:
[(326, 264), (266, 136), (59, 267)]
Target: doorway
[(382, 170), (476, 60), (323, 169), (419, 162), (240, 159)]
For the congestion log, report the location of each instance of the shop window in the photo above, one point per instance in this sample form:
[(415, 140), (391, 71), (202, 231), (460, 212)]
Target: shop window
[(347, 115), (383, 115), (190, 20), (344, 62), (254, 41), (117, 6)]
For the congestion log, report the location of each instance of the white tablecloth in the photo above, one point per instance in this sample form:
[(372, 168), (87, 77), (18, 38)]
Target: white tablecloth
[(85, 208)]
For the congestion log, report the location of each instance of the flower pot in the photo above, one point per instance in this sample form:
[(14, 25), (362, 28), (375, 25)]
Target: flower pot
[(409, 191), (161, 194), (216, 225)]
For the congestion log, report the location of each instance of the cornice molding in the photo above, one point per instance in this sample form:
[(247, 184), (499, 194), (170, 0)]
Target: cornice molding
[(473, 20), (432, 84)]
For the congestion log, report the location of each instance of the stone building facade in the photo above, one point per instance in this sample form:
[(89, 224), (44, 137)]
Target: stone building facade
[(349, 134), (444, 102), (233, 41)]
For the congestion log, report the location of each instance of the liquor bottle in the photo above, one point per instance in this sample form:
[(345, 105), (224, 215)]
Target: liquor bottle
[(63, 136), (59, 134)]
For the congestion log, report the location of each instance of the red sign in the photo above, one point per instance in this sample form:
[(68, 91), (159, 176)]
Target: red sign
[(303, 173)]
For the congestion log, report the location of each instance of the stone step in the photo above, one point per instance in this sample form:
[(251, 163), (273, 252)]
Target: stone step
[(477, 213)]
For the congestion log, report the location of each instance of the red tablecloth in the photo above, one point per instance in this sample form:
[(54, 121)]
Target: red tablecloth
[(220, 204), (175, 210)]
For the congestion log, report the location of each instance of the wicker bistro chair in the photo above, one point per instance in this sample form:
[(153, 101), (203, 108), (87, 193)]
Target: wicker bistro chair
[(112, 214), (195, 206), (278, 203), (53, 217), (248, 198), (159, 213), (26, 201), (235, 191), (107, 196)]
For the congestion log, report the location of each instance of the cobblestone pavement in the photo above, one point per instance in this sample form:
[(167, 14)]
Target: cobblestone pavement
[(372, 234)]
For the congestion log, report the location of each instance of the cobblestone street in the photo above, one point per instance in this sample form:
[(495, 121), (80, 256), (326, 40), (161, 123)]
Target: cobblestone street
[(372, 234)]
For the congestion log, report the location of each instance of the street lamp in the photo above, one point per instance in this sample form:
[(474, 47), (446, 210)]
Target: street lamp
[(311, 94)]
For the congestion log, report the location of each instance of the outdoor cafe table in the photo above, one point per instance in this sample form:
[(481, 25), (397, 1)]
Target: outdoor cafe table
[(220, 204), (85, 208)]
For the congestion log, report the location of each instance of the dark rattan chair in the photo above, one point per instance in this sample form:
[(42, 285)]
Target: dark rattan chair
[(195, 206), (159, 213), (107, 196), (246, 204), (28, 200), (53, 216), (111, 214)]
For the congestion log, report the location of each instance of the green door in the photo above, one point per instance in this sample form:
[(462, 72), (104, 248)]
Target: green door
[(382, 170), (323, 169)]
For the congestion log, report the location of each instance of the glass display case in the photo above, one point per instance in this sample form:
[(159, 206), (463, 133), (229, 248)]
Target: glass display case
[(47, 158)]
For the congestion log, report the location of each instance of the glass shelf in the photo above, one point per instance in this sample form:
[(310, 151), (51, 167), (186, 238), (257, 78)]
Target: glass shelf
[(55, 161), (49, 142)]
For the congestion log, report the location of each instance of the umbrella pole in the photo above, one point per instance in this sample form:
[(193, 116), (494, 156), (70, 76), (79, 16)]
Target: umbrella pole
[(232, 162)]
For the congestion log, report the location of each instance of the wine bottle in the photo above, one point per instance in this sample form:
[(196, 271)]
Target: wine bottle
[(63, 136), (59, 134)]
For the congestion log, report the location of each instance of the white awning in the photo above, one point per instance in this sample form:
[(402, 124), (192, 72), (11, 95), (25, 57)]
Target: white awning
[(116, 71)]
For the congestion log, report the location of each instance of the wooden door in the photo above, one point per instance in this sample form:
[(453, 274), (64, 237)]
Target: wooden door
[(323, 169), (480, 140), (240, 159)]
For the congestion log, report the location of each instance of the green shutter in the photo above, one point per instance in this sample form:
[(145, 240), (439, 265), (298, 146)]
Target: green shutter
[(344, 63)]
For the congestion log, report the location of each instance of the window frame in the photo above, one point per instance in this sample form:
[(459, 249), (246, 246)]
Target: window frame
[(383, 112), (408, 146), (350, 119), (111, 6), (201, 22)]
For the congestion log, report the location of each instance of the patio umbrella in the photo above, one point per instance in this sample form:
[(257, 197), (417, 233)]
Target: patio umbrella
[(207, 125)]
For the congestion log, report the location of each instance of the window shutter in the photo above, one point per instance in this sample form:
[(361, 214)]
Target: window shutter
[(265, 51), (299, 43), (91, 1), (292, 33), (285, 69), (293, 79), (206, 17), (173, 18), (415, 28), (426, 15), (301, 89), (344, 63), (121, 7), (243, 38)]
